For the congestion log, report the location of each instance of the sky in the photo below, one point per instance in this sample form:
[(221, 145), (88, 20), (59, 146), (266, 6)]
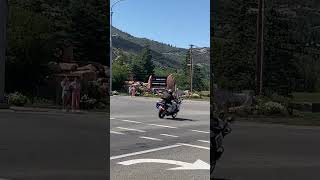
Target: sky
[(176, 22)]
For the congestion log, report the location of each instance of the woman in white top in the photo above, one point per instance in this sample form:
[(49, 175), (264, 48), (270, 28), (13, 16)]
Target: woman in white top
[(65, 84)]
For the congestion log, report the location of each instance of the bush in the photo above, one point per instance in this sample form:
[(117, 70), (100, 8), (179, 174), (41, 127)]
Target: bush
[(87, 103), (272, 108), (17, 99), (196, 96)]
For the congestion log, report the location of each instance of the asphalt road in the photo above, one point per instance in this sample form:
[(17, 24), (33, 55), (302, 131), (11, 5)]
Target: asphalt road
[(53, 146), (270, 152), (144, 147)]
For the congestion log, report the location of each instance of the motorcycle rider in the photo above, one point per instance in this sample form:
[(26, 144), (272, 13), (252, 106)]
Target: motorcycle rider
[(170, 100)]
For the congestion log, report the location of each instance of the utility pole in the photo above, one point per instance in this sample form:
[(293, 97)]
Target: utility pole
[(262, 46), (110, 66), (259, 49), (3, 45), (191, 69)]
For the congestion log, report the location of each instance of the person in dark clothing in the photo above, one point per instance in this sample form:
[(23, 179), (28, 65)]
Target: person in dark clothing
[(169, 100)]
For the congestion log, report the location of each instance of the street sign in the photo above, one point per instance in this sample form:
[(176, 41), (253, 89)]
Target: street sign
[(197, 165)]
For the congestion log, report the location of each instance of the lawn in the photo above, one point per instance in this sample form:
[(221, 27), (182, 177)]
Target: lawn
[(306, 97)]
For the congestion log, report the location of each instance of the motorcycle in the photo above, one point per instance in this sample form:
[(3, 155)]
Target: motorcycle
[(219, 128), (163, 109)]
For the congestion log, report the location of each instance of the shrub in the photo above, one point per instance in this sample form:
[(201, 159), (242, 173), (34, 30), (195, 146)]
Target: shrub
[(87, 103), (272, 108), (17, 99), (196, 96)]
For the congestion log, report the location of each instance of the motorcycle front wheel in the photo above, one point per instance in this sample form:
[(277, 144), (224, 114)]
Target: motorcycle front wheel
[(174, 115), (161, 114)]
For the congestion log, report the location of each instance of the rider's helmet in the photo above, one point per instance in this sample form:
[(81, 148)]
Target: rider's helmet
[(170, 91)]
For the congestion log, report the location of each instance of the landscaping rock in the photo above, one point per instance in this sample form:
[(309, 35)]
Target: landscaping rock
[(87, 67), (68, 66), (86, 75)]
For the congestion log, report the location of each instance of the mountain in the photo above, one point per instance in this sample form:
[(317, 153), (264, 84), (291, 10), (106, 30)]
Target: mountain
[(164, 55)]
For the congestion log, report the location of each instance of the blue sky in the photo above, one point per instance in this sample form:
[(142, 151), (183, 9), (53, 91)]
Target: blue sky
[(176, 22)]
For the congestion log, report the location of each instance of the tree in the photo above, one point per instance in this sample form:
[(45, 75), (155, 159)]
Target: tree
[(142, 66), (120, 73)]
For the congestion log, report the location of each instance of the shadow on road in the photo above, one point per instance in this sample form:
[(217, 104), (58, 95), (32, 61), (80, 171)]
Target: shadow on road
[(180, 119)]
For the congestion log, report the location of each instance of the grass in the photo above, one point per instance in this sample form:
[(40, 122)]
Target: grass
[(300, 119), (306, 97)]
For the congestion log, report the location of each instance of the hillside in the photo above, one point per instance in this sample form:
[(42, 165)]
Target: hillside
[(164, 55)]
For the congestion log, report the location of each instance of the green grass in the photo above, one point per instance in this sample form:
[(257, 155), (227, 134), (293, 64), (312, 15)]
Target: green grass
[(300, 119), (306, 97)]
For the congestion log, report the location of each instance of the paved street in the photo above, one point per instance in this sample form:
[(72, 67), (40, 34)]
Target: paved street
[(144, 147), (52, 146), (270, 152)]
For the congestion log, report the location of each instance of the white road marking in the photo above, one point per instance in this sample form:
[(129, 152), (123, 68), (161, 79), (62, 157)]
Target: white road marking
[(144, 152), (190, 145), (128, 129), (150, 138), (112, 118), (206, 132), (169, 135), (114, 132), (204, 141), (197, 165), (132, 121), (159, 125)]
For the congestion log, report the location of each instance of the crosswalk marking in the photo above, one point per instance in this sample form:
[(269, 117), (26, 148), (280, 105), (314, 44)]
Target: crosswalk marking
[(204, 141), (150, 138), (159, 125), (206, 132), (132, 121), (129, 129), (114, 132), (168, 135)]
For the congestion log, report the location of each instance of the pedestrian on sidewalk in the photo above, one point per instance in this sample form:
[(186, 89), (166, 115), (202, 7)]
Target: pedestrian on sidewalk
[(130, 89), (66, 94), (133, 91), (76, 88)]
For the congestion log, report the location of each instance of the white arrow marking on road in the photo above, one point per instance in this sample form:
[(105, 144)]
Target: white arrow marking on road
[(128, 129), (198, 165), (112, 118)]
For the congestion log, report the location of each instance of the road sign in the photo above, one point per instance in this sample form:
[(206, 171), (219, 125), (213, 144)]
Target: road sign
[(159, 81), (197, 165)]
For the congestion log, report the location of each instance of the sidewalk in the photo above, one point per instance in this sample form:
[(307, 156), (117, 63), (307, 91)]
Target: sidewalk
[(50, 110)]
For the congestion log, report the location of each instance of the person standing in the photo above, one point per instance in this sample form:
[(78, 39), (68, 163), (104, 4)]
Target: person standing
[(65, 84), (76, 88), (133, 91), (130, 89)]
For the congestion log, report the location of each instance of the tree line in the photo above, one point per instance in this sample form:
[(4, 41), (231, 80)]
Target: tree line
[(291, 46), (140, 67), (39, 29)]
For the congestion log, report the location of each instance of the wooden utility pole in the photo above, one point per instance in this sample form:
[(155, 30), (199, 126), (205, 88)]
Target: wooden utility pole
[(3, 45), (191, 69), (259, 49)]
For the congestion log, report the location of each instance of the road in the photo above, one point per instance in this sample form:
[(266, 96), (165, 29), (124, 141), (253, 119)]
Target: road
[(51, 146), (144, 147), (270, 152)]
